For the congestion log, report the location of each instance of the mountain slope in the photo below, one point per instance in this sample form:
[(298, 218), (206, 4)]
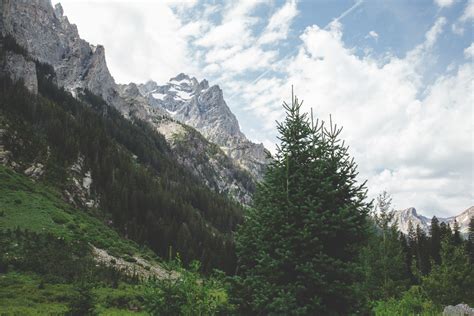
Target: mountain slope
[(203, 107), (48, 37), (124, 168), (404, 217), (46, 245)]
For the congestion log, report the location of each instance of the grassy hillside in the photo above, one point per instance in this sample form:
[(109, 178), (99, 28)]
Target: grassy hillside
[(38, 208), (49, 264), (36, 275)]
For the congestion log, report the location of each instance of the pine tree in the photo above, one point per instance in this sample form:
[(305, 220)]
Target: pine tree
[(457, 239), (451, 282), (384, 257), (298, 246), (435, 234), (422, 251), (470, 241)]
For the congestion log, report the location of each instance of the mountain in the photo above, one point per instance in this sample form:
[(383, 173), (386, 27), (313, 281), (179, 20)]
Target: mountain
[(48, 37), (403, 217), (106, 150), (203, 107)]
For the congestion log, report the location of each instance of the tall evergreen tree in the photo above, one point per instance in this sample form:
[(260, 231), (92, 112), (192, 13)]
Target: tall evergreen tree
[(298, 246), (435, 234), (445, 231), (422, 251), (457, 239), (451, 282), (470, 241), (384, 257)]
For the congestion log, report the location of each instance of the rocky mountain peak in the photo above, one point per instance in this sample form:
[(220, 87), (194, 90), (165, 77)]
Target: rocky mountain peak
[(58, 11), (47, 35), (404, 217), (411, 211)]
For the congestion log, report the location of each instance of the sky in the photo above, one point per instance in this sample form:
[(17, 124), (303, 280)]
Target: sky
[(396, 74)]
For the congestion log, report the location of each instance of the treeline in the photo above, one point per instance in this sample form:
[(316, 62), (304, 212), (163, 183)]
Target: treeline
[(417, 272), (151, 199)]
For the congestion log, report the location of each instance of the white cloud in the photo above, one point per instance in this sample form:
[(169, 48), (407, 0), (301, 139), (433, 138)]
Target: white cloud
[(373, 35), (469, 51), (153, 45), (444, 3), (468, 13), (235, 28), (279, 24), (418, 148), (252, 58), (432, 35)]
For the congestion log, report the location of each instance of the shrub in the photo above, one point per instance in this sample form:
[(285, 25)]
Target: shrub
[(185, 292), (413, 302), (59, 218), (129, 258)]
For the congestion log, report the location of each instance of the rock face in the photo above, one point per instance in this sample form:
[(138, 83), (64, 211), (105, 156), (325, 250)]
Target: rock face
[(17, 67), (403, 218), (458, 310), (48, 37), (203, 107)]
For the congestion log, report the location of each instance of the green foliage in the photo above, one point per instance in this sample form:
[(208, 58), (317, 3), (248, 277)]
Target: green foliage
[(30, 294), (470, 241), (450, 283), (147, 199), (82, 303), (43, 210), (383, 259), (413, 302), (186, 292), (298, 246)]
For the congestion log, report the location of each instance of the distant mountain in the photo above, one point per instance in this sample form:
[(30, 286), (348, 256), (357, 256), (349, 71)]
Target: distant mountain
[(403, 217)]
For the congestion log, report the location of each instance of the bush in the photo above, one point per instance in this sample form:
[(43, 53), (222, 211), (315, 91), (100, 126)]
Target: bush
[(129, 258), (185, 292), (413, 302), (82, 303), (59, 218)]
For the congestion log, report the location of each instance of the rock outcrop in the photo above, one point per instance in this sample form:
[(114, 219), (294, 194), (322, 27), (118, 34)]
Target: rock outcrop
[(458, 310), (17, 67)]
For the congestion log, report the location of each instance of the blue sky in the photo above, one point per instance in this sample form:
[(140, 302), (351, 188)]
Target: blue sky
[(398, 75)]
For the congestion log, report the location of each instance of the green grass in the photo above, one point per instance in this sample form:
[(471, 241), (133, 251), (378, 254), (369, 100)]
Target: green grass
[(21, 294), (35, 206)]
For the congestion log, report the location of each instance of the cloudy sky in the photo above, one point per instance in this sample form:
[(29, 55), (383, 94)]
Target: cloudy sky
[(398, 75)]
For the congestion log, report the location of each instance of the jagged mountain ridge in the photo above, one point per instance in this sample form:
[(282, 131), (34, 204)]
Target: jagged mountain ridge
[(203, 107), (403, 218), (48, 37)]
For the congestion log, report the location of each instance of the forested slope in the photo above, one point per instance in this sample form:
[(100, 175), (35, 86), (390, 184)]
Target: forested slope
[(136, 184)]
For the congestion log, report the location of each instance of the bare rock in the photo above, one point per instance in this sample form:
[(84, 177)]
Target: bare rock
[(35, 171), (458, 310), (18, 68)]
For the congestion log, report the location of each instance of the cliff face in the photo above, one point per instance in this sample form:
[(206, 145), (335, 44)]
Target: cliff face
[(203, 107), (48, 37)]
